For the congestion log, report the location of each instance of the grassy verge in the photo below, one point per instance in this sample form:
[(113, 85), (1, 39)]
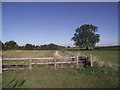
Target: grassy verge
[(0, 81), (46, 77)]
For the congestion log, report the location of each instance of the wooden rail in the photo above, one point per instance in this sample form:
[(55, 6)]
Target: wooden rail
[(43, 63), (30, 65), (25, 58), (78, 60), (6, 69)]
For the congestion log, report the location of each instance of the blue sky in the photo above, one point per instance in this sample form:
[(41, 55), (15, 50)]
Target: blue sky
[(0, 20), (43, 23)]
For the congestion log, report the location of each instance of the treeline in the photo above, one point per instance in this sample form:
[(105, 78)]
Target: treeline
[(12, 45)]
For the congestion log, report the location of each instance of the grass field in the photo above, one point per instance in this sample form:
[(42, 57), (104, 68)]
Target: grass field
[(44, 76), (106, 57), (27, 53)]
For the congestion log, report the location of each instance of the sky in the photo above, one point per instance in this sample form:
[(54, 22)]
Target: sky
[(60, 0), (0, 20), (41, 23)]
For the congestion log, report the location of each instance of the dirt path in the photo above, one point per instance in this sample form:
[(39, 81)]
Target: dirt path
[(57, 54)]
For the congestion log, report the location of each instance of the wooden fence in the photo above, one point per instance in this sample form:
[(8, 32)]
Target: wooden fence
[(78, 60)]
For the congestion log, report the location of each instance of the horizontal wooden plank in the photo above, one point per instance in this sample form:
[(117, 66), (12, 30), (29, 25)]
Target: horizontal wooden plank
[(6, 69), (53, 63), (37, 63), (10, 64), (26, 58)]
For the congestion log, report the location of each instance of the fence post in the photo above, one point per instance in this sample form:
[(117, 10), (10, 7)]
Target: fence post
[(55, 63), (91, 62), (86, 61), (0, 65), (30, 65), (77, 63)]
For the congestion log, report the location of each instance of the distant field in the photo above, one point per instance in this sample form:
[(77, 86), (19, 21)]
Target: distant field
[(27, 53), (95, 48), (106, 56)]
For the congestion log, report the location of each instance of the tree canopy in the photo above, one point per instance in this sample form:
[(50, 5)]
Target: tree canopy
[(85, 36), (11, 45)]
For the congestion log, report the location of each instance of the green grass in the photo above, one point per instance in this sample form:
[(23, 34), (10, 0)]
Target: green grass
[(108, 56), (46, 77), (0, 81)]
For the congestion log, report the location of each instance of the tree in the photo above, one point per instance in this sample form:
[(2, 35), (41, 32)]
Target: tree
[(50, 46), (29, 46), (85, 36), (68, 46), (11, 45), (37, 47), (1, 45)]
